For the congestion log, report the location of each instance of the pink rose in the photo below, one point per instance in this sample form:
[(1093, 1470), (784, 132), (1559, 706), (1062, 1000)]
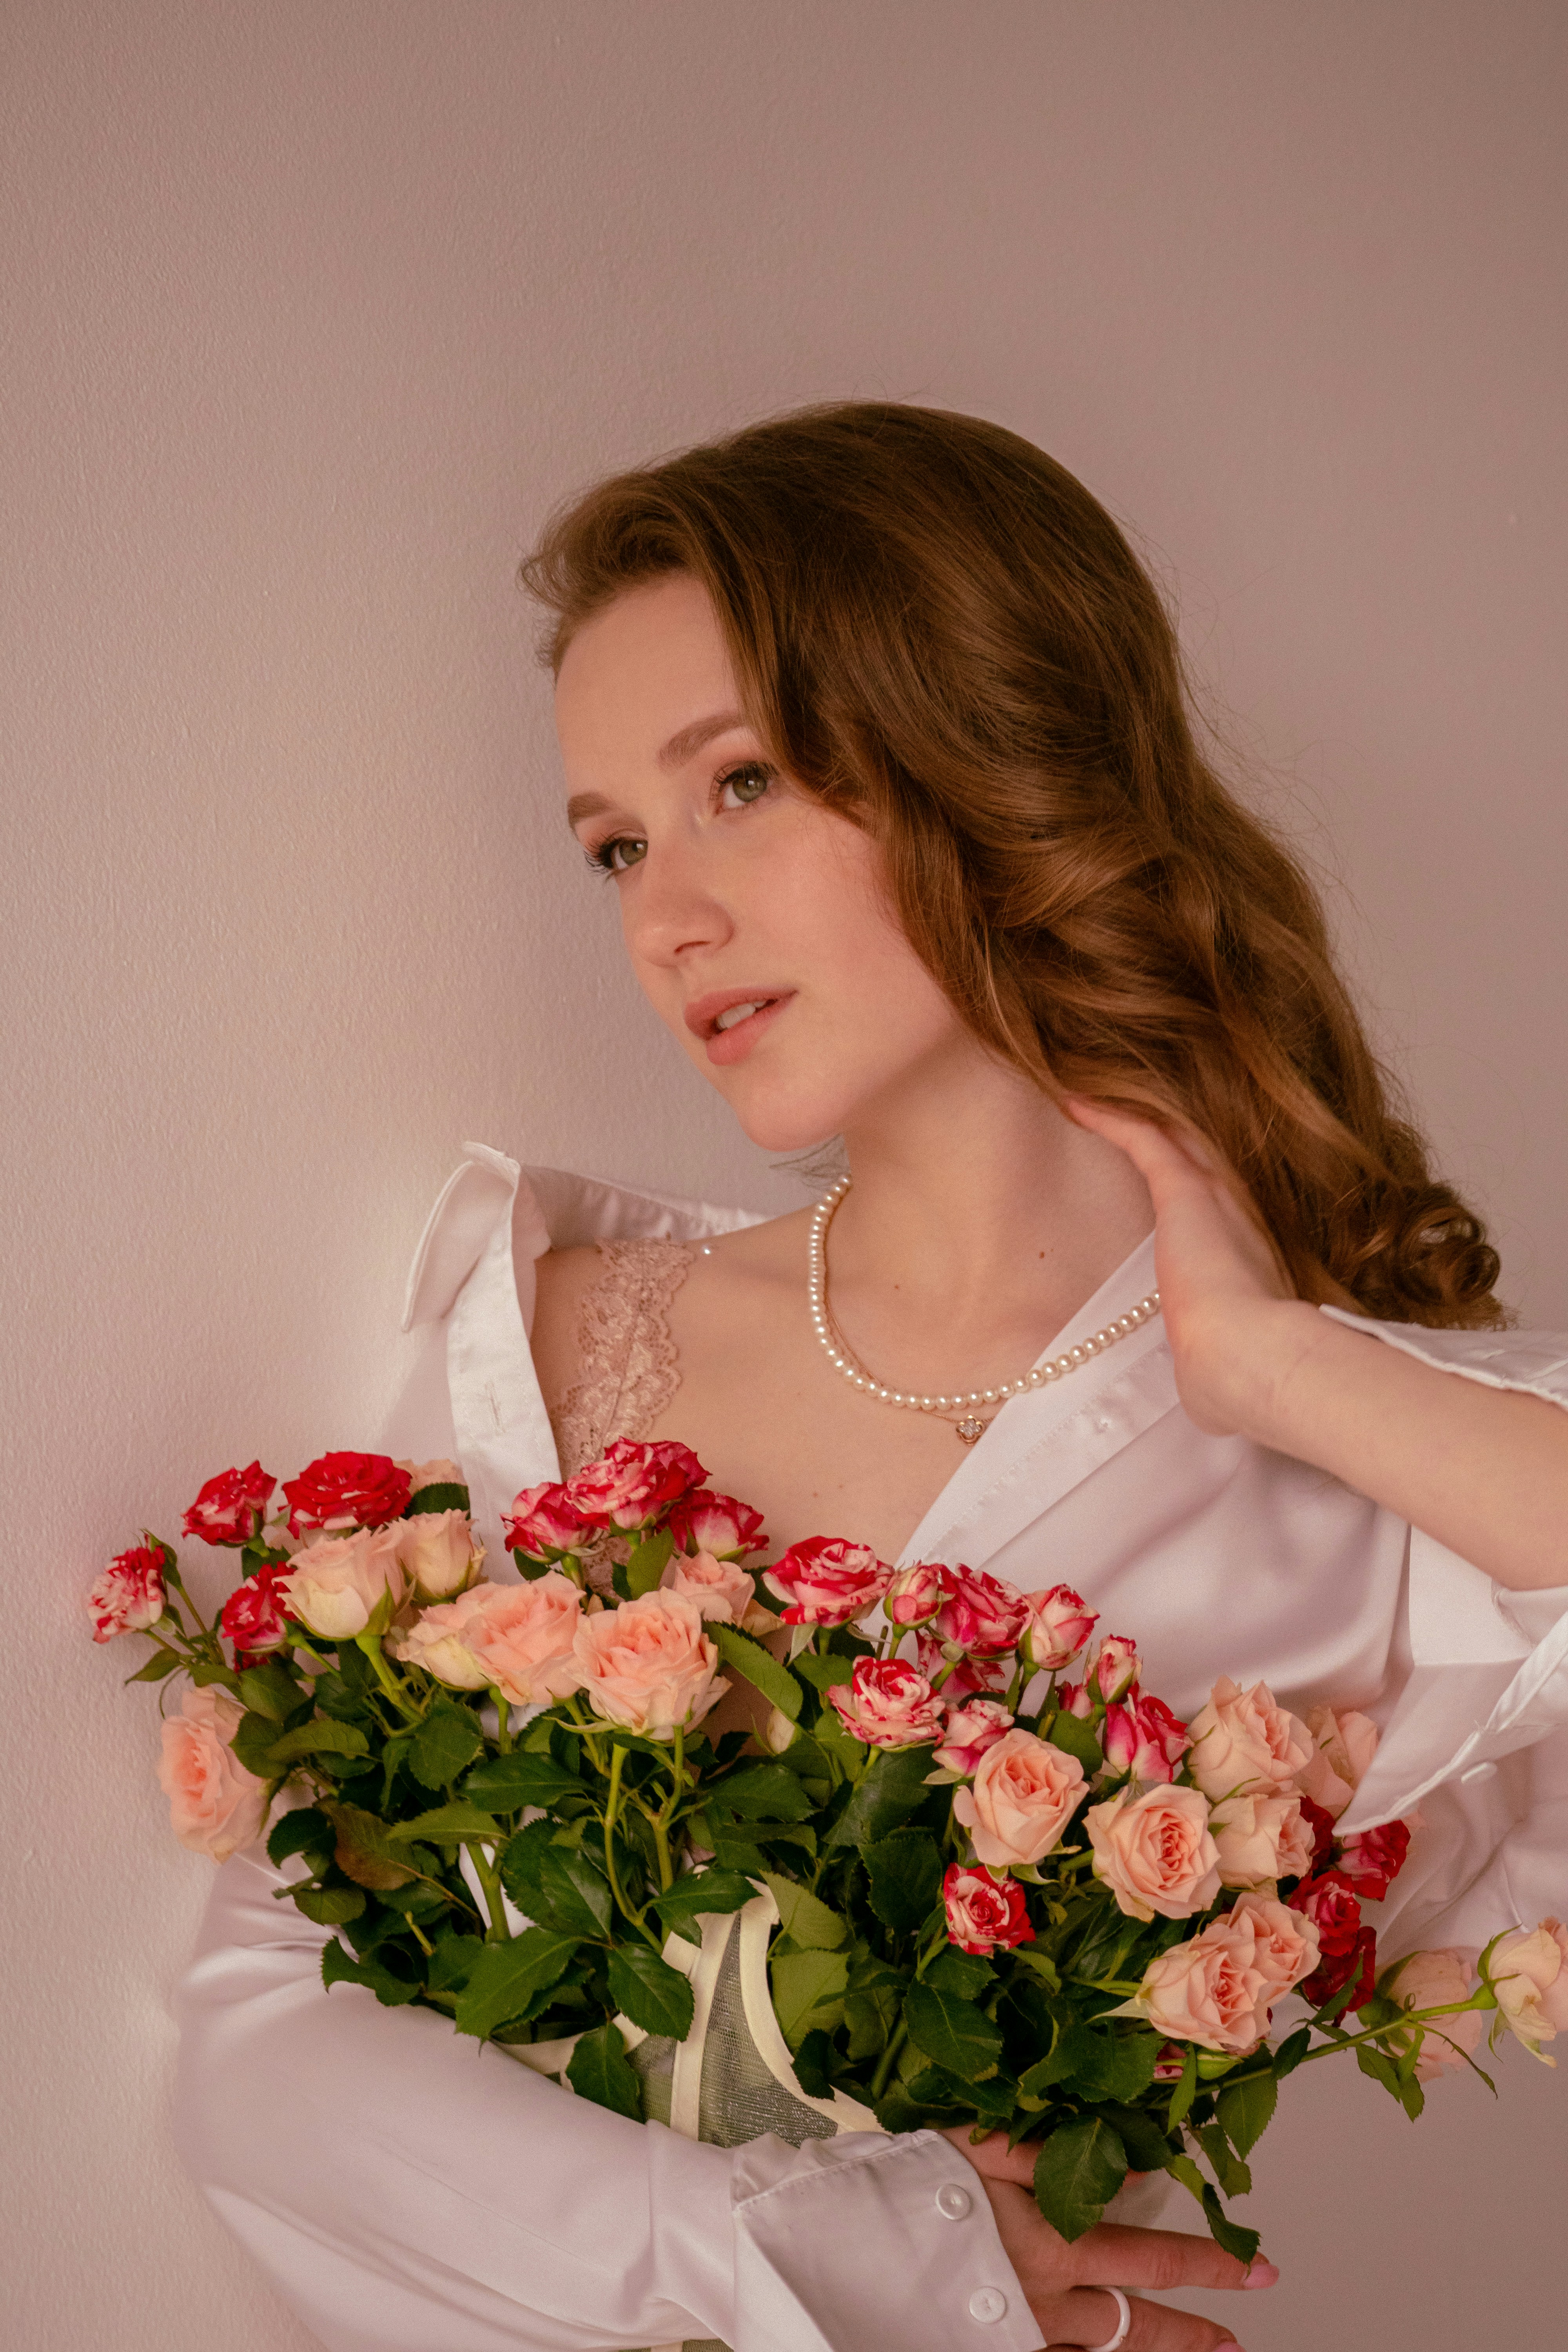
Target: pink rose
[(1342, 1744), (255, 1616), (916, 1594), (438, 1472), (215, 1806), (346, 1490), (888, 1705), (969, 1731), (544, 1524), (1286, 1944), (630, 1484), (1245, 1745), (1155, 1851), (232, 1507), (1530, 1982), (1115, 1668), (716, 1524), (984, 1912), (648, 1665), (827, 1581), (438, 1554), (515, 1638), (981, 1615), (1141, 1736), (1023, 1797), (1434, 1981), (436, 1641), (1212, 1989), (1058, 1626), (128, 1595), (954, 1675), (721, 1587), (335, 1584), (1373, 1859), (1260, 1839)]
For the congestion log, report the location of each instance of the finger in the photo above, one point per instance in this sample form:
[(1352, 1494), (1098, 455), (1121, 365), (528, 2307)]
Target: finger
[(1089, 2317), (1142, 1140), (993, 2158), (1113, 2254)]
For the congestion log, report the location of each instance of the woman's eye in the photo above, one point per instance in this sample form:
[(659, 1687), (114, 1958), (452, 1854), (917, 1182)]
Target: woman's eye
[(746, 783), (615, 856)]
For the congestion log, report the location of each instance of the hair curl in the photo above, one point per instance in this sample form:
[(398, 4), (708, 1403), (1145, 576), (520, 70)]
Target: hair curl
[(938, 630)]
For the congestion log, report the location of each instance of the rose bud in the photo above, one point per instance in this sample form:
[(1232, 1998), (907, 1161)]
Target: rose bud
[(1373, 1859), (1156, 1852), (955, 1677), (1340, 1745), (1436, 1980), (648, 1665), (438, 1472), (716, 1524), (888, 1705), (1246, 1745), (1141, 1736), (1322, 1827), (916, 1594), (1024, 1795), (984, 1914), (827, 1581), (982, 1615), (969, 1731), (215, 1806), (631, 1484), (722, 1588), (254, 1616), (232, 1507), (128, 1595), (1528, 1974), (346, 1490), (1073, 1698), (1348, 1949), (1115, 1668), (336, 1584), (438, 1553), (1056, 1629), (544, 1524)]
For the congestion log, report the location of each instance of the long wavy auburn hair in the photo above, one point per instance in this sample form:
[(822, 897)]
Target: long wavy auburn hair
[(941, 633)]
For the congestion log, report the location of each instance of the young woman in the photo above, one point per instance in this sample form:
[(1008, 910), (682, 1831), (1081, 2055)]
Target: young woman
[(876, 728)]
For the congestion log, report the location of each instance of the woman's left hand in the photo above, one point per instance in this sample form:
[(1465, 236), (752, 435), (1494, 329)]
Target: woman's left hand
[(1232, 1318)]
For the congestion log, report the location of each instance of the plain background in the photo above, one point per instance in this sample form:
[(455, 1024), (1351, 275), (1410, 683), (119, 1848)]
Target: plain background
[(313, 310)]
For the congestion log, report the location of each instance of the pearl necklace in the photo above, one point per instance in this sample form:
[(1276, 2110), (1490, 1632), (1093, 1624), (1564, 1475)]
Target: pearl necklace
[(959, 1409)]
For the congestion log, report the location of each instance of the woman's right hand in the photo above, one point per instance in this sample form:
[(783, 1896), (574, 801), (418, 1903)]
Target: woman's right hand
[(1066, 2284)]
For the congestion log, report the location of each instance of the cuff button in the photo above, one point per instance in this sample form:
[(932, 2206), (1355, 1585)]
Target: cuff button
[(986, 2304), (956, 2203)]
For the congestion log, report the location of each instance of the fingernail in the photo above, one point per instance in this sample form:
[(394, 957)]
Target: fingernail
[(1261, 2274)]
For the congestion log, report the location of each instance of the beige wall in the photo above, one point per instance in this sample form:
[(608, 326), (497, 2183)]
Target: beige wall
[(312, 310)]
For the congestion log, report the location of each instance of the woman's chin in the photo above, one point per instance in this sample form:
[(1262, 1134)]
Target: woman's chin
[(776, 1125)]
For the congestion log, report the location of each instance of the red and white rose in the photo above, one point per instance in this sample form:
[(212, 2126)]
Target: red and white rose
[(984, 1914), (339, 1491), (631, 1484), (888, 1705), (232, 1507), (127, 1597), (827, 1582)]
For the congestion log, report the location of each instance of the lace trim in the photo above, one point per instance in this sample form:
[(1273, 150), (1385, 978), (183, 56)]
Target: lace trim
[(628, 1367)]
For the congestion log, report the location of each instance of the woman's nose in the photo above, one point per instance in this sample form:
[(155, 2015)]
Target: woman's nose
[(673, 909)]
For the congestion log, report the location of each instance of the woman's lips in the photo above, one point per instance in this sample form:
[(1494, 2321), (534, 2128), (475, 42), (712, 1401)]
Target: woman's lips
[(735, 1041)]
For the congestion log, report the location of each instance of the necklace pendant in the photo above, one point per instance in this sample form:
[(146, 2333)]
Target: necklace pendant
[(971, 1431)]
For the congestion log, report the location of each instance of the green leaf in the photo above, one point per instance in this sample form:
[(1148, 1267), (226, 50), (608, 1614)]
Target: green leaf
[(1182, 2167), (824, 1674), (453, 1961), (449, 1739), (598, 2070), (505, 1978), (1291, 2052), (760, 1668), (805, 1986), (507, 1783), (254, 1737), (521, 1858), (1233, 2175), (446, 1825), (1077, 2173), (1246, 2108), (811, 2064), (1380, 2069), (443, 1495), (892, 1789), (905, 1872), (204, 1672), (964, 1973), (305, 1831), (364, 1851), (647, 1562), (804, 1918), (161, 1663), (758, 1792), (953, 2032), (700, 1891), (650, 1991), (1140, 2134), (269, 1690), (1242, 2244), (1075, 1737), (1122, 2065), (576, 1892), (1185, 2091), (325, 1736), (329, 1906), (340, 1967)]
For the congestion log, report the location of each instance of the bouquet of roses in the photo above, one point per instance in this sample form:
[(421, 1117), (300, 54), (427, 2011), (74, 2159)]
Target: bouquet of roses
[(1001, 1897)]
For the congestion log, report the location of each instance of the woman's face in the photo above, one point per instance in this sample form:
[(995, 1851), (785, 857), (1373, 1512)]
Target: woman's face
[(755, 917)]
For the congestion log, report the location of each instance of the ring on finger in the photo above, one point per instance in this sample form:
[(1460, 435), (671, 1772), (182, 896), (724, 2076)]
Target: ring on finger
[(1123, 2320)]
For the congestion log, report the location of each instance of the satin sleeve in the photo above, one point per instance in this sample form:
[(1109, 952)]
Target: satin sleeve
[(408, 2189)]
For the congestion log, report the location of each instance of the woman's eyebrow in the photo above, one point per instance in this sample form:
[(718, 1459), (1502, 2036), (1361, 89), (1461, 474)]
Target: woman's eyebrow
[(690, 740), (582, 804)]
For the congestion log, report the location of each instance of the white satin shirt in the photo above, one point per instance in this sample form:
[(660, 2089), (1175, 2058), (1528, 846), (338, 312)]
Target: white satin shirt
[(409, 2190)]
